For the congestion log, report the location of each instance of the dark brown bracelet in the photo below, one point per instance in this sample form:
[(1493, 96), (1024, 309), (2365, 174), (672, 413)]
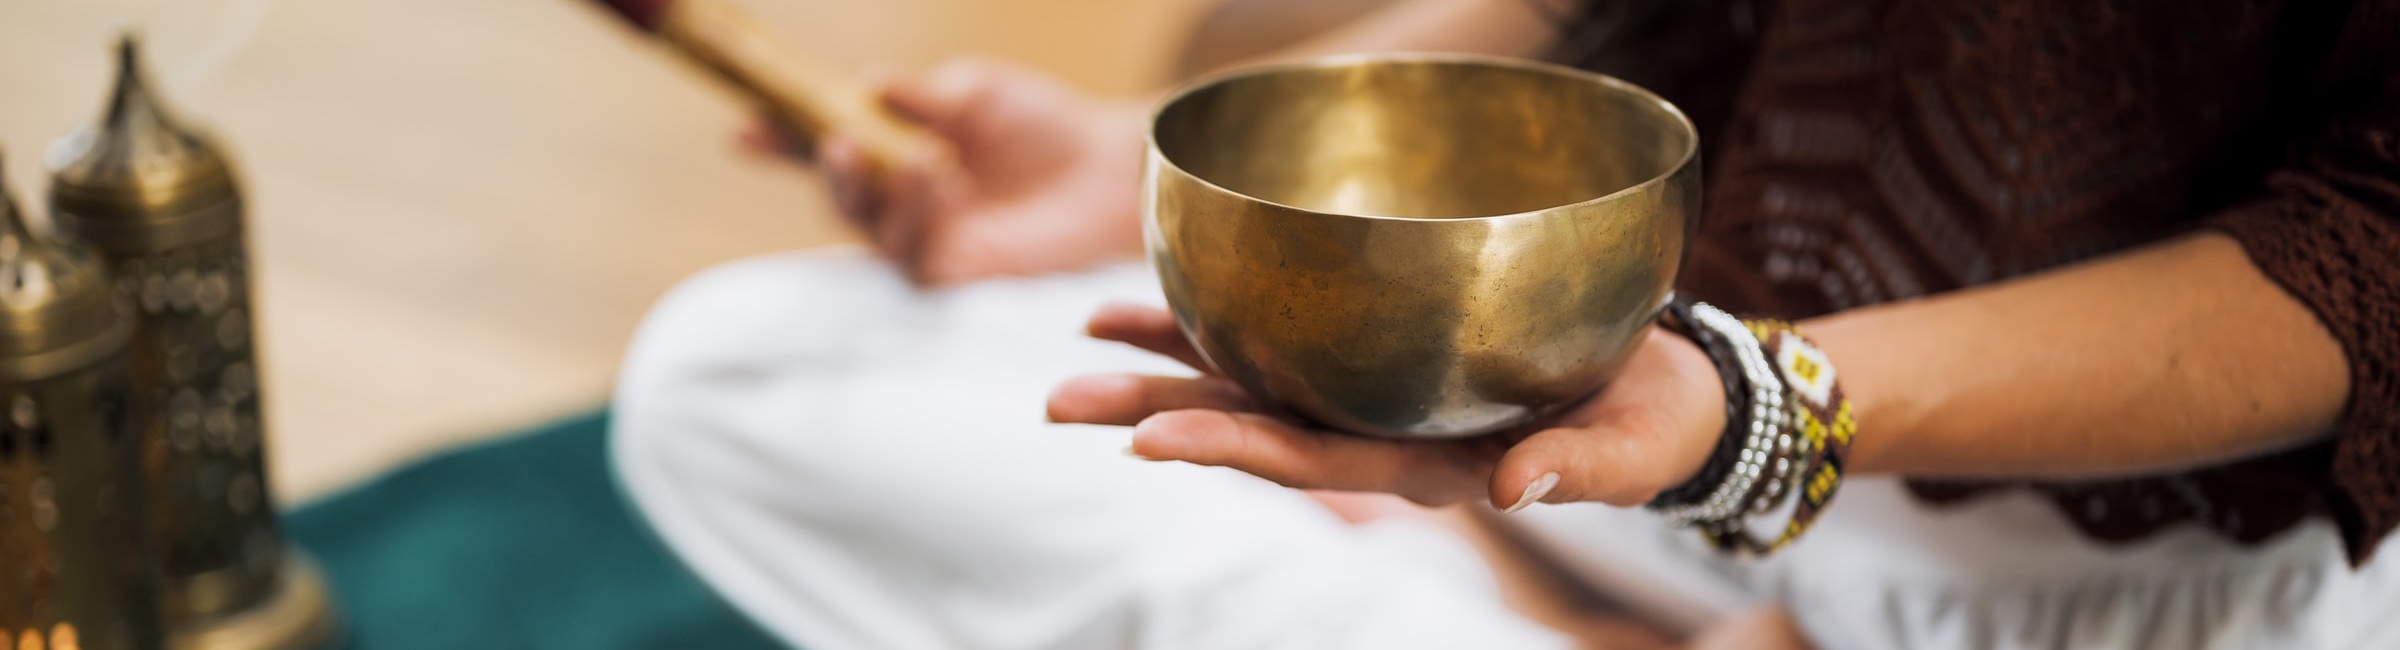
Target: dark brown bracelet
[(1737, 408)]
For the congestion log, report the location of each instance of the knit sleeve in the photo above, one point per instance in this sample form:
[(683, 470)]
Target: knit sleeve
[(2328, 231)]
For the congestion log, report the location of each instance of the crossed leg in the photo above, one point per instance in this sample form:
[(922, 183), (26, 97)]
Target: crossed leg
[(860, 465)]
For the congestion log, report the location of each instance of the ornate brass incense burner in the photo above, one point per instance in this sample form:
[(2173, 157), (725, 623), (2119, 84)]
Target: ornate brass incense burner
[(77, 571), (159, 200)]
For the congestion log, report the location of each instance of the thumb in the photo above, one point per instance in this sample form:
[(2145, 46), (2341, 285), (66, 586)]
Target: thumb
[(1623, 460), (940, 98)]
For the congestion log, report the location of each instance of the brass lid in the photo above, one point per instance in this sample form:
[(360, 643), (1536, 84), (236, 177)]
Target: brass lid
[(56, 310), (140, 178)]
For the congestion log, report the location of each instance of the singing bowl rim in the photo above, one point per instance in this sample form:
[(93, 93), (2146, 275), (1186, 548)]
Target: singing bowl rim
[(1683, 159)]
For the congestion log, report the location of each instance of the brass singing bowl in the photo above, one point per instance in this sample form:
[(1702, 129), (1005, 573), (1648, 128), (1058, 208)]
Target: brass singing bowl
[(1419, 246)]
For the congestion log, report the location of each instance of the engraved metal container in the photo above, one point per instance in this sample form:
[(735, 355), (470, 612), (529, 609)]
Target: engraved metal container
[(76, 569), (1419, 245), (160, 202)]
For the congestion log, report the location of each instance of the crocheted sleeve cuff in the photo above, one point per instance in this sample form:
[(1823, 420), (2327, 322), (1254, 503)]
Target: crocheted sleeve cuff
[(2329, 233)]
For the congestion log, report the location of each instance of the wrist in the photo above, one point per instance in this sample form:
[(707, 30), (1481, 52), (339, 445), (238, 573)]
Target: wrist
[(1700, 437), (1860, 348), (1793, 422)]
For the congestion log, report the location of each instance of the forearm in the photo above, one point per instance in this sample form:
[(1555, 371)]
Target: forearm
[(2171, 356)]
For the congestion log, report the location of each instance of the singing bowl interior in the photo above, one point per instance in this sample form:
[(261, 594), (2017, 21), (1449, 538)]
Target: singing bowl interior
[(1420, 246), (1424, 139)]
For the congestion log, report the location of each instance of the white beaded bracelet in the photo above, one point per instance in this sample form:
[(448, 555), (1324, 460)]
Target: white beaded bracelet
[(1770, 429)]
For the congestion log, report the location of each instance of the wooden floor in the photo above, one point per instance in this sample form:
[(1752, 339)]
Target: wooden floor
[(461, 208)]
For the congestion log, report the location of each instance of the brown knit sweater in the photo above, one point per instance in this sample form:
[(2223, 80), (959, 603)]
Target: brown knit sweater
[(1863, 151)]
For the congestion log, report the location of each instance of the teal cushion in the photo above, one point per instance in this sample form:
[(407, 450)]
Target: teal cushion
[(522, 542)]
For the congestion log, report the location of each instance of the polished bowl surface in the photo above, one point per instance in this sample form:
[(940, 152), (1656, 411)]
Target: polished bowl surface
[(1420, 245)]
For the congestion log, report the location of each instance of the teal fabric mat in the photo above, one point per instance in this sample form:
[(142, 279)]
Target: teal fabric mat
[(524, 542)]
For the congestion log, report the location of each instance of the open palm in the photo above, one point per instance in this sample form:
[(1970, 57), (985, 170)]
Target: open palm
[(1650, 429)]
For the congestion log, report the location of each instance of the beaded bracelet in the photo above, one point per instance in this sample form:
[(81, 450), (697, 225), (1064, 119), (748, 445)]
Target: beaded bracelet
[(1822, 412), (1788, 428), (1766, 421), (1826, 425), (1737, 407)]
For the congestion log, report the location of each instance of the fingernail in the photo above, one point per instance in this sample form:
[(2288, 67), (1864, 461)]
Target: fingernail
[(1540, 487), (1130, 452)]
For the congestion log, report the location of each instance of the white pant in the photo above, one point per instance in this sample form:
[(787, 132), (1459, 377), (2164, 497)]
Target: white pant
[(859, 465)]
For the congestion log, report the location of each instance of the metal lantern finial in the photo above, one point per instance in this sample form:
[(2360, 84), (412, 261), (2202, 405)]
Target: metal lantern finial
[(140, 162), (160, 201)]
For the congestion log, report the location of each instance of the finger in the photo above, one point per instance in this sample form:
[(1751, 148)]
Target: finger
[(1148, 328), (851, 182), (941, 97), (763, 137), (1125, 400), (1428, 473), (1620, 460), (917, 191), (1006, 238), (1650, 429), (758, 138)]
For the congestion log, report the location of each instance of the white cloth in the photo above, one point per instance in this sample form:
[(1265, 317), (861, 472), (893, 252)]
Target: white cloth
[(859, 465), (1883, 571)]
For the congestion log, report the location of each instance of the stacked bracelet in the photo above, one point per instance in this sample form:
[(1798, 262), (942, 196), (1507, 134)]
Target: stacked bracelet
[(1787, 430), (1822, 414), (1737, 406), (1759, 429)]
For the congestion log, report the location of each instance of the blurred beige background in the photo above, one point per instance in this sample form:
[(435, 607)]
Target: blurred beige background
[(461, 208)]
